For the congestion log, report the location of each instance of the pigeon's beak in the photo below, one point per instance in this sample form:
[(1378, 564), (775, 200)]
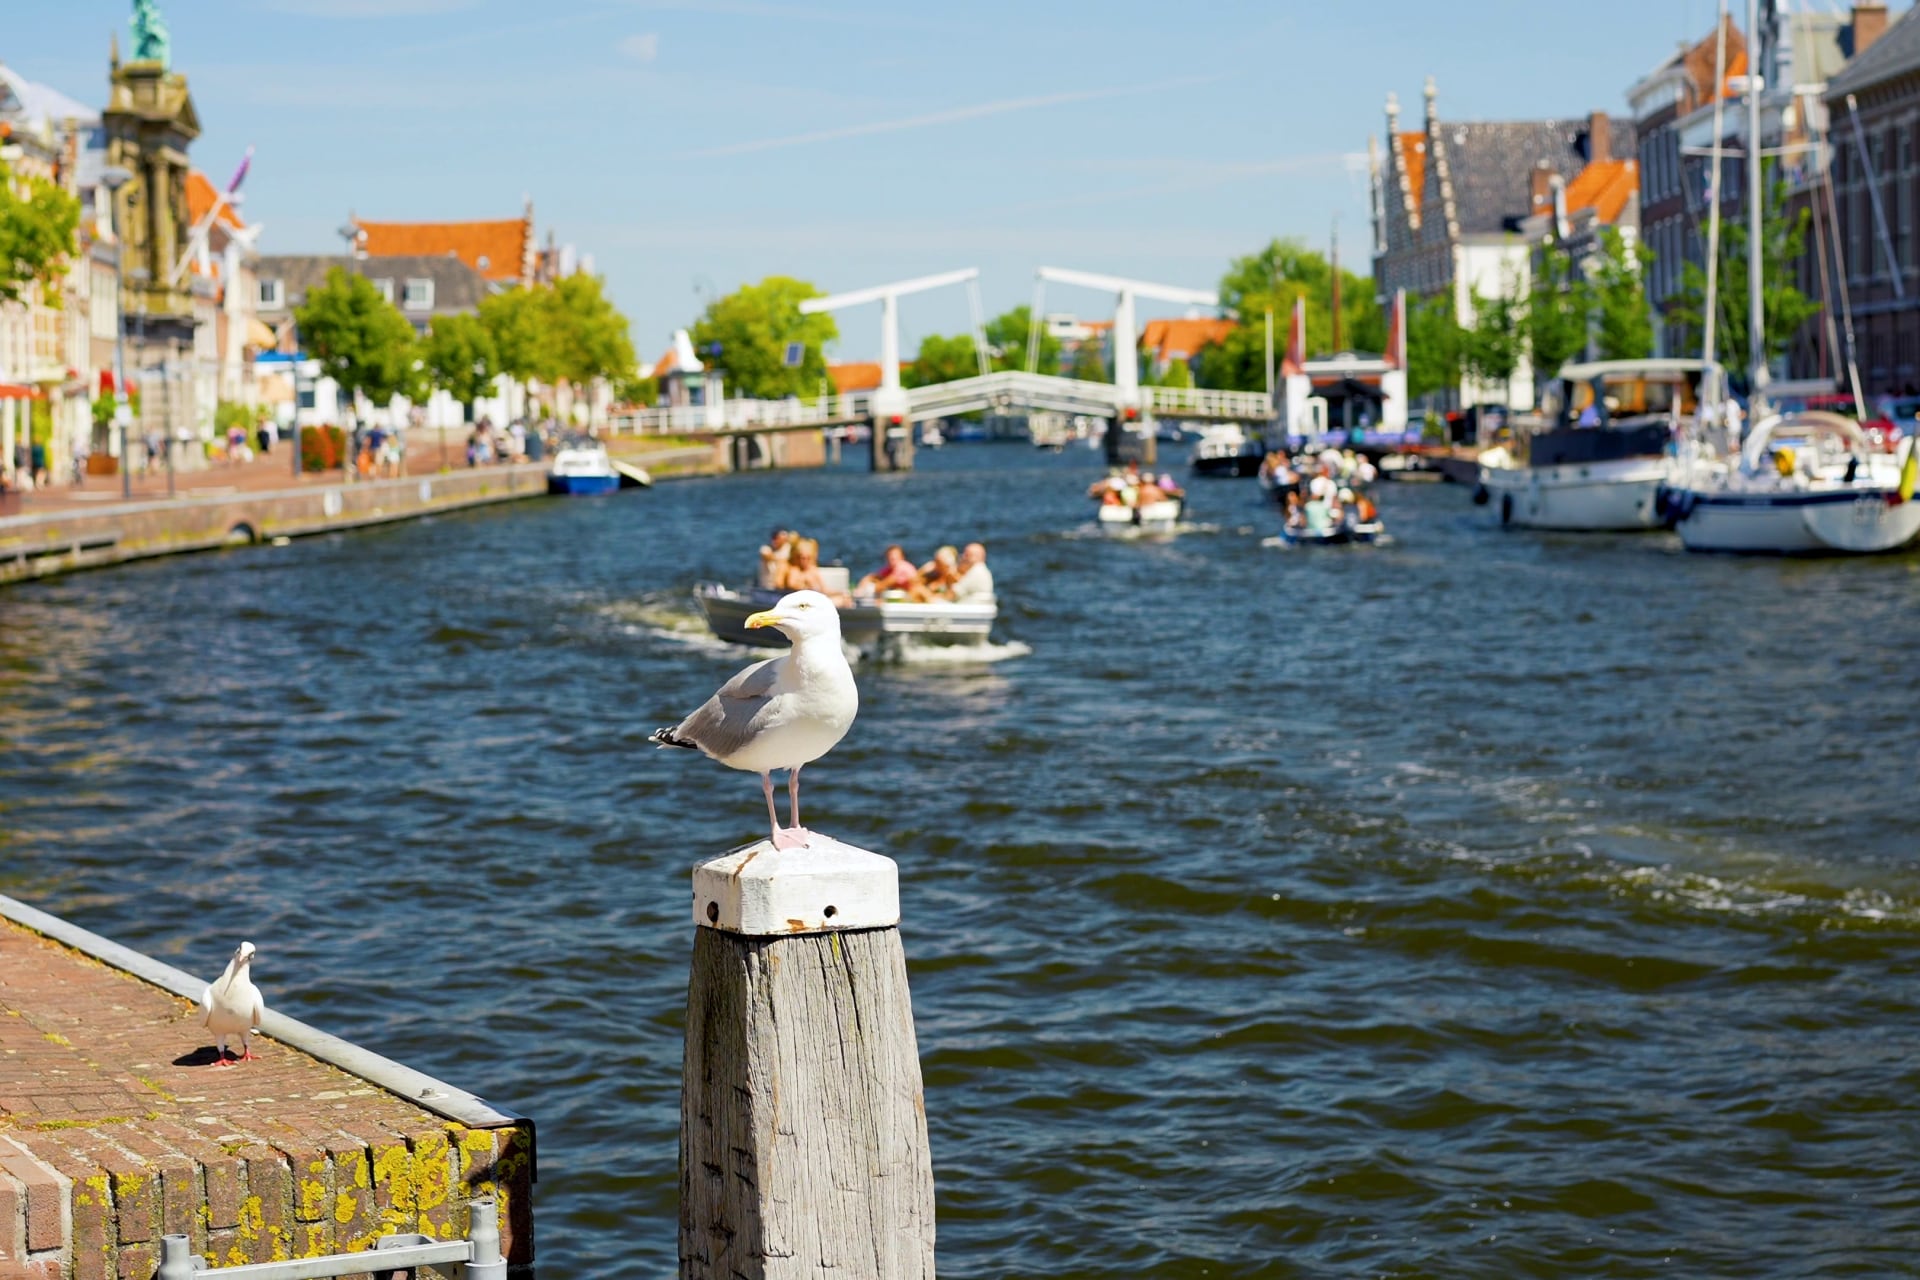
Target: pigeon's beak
[(765, 618)]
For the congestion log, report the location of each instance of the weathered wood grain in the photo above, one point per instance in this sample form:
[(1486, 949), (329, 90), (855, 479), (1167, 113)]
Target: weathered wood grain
[(803, 1129)]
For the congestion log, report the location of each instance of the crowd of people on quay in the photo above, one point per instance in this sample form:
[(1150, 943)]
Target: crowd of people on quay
[(518, 441), (791, 562), (1129, 486), (1324, 492)]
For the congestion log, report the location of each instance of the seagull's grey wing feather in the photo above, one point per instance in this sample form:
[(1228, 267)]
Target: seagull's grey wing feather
[(724, 723)]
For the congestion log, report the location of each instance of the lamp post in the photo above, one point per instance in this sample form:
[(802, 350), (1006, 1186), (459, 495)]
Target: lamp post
[(349, 231), (113, 178)]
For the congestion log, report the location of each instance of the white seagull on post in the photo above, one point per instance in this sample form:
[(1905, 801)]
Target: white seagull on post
[(232, 1006), (782, 713)]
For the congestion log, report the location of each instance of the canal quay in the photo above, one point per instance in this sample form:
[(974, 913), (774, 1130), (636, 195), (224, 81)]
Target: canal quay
[(1481, 903)]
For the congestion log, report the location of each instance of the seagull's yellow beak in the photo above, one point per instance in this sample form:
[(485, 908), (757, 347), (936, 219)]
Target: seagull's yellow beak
[(765, 618)]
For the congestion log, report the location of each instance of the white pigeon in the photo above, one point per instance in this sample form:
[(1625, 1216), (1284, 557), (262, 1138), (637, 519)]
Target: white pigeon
[(782, 713), (232, 1005)]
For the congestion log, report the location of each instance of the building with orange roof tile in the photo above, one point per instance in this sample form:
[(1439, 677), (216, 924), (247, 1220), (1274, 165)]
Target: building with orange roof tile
[(503, 250), (1162, 342), (1459, 205)]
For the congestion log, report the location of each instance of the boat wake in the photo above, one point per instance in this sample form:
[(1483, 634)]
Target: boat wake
[(908, 652), (1133, 533), (669, 620)]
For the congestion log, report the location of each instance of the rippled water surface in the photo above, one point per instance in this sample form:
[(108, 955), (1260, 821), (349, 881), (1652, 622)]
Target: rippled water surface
[(1480, 905)]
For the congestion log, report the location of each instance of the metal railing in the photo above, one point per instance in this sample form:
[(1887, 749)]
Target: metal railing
[(1207, 402), (738, 415), (479, 1253)]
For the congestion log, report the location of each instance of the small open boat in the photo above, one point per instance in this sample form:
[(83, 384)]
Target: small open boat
[(1154, 517), (863, 624), (1339, 535)]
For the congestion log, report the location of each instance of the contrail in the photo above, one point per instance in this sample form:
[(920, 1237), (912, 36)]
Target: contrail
[(952, 116)]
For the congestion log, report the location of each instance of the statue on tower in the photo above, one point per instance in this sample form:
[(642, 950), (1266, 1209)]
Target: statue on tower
[(150, 42)]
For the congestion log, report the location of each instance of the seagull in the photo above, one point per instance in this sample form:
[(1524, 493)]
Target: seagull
[(782, 713), (232, 1005)]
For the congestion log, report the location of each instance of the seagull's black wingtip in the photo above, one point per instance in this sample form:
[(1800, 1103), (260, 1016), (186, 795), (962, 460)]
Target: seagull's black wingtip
[(668, 738)]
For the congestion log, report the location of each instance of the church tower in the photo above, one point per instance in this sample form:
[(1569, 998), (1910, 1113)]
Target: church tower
[(149, 122)]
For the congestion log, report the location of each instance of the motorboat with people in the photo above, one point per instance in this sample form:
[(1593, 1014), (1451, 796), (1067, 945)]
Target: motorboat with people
[(1803, 484), (1334, 536), (1134, 502), (881, 608), (1225, 449), (1597, 458), (581, 468)]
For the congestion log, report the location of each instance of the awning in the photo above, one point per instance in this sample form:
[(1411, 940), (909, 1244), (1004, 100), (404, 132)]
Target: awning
[(260, 334), (20, 391)]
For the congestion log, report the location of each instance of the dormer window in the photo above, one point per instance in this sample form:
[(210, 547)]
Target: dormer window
[(418, 295), (384, 287), (271, 294)]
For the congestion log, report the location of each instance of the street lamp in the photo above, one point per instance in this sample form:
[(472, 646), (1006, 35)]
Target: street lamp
[(114, 177), (350, 232)]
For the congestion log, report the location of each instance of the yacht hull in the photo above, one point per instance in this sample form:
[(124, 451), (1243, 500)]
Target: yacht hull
[(1585, 497), (1847, 521)]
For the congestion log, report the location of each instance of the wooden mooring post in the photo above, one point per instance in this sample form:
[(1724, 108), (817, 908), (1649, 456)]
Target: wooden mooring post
[(803, 1127)]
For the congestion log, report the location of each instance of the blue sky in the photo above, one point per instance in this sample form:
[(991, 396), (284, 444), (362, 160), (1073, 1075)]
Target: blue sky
[(690, 145)]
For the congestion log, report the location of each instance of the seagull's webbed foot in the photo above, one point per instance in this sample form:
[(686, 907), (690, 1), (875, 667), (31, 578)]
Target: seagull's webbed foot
[(249, 1056), (792, 838), (223, 1061)]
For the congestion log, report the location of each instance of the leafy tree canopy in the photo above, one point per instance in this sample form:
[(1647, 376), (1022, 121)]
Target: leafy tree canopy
[(37, 225), (942, 359), (1490, 350), (1623, 326), (361, 339), (1271, 279), (459, 356), (1434, 341), (1007, 339), (583, 336), (1782, 239), (754, 325)]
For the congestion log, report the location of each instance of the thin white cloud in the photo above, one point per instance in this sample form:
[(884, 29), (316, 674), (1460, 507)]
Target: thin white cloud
[(1191, 176), (369, 8), (954, 115), (644, 47)]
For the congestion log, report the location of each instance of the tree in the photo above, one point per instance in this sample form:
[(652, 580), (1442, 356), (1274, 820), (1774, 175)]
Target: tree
[(1434, 342), (1623, 325), (942, 359), (1090, 362), (583, 336), (1558, 305), (459, 357), (360, 338), (1782, 239), (754, 326), (1179, 374), (37, 225), (1007, 339), (1272, 279), (513, 322), (1490, 351)]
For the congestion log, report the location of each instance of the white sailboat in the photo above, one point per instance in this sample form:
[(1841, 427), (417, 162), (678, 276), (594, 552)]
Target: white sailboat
[(1802, 484)]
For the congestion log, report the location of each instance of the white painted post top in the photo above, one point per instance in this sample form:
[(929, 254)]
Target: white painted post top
[(761, 891)]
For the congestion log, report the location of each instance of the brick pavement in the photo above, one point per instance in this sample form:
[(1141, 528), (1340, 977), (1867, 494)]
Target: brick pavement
[(115, 1129)]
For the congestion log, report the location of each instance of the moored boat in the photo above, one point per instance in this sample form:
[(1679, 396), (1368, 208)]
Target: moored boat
[(1225, 449), (581, 468), (1598, 461), (1804, 484)]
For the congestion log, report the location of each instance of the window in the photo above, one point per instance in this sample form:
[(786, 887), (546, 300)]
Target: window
[(418, 295), (270, 294), (384, 286)]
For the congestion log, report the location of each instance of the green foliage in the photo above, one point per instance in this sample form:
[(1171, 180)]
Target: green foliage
[(37, 225), (1558, 306), (360, 338), (322, 448), (1007, 339), (1490, 351), (513, 324), (103, 407), (753, 326), (1179, 374), (583, 336), (1090, 362), (942, 359), (1622, 323), (636, 391), (459, 357), (228, 414), (1782, 239), (1434, 342), (1270, 280)]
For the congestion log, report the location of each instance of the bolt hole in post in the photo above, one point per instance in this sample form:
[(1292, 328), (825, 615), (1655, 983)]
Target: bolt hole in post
[(831, 911), (713, 913)]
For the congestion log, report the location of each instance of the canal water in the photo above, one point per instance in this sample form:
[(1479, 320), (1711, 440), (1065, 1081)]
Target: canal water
[(1480, 905)]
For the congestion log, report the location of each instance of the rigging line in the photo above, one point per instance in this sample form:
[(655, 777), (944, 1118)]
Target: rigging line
[(979, 327), (1873, 198), (1712, 307)]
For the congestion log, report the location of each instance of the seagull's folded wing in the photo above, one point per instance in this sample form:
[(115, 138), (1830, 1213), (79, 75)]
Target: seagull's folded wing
[(724, 724)]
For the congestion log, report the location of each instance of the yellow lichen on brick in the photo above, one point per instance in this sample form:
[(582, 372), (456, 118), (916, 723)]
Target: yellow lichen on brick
[(58, 1039), (343, 1208), (252, 1220), (430, 1173), (314, 1239)]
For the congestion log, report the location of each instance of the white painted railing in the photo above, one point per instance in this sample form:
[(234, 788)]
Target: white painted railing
[(1007, 389)]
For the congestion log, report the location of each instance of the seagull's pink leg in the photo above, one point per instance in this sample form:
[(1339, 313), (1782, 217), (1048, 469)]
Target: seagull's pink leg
[(246, 1051), (773, 818), (795, 835), (220, 1053)]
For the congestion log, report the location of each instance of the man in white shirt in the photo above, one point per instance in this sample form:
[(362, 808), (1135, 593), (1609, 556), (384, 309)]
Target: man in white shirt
[(975, 584)]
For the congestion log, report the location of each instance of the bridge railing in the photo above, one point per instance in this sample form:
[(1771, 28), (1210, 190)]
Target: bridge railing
[(1208, 402), (738, 415)]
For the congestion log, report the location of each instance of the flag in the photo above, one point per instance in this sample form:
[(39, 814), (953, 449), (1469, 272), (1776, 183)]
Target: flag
[(1910, 469), (240, 174)]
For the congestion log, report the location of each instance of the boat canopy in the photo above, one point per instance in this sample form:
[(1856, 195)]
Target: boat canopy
[(1813, 422)]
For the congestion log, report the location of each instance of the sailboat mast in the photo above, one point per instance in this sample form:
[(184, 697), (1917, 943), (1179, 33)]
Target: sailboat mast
[(1712, 308), (1336, 283), (1756, 199)]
